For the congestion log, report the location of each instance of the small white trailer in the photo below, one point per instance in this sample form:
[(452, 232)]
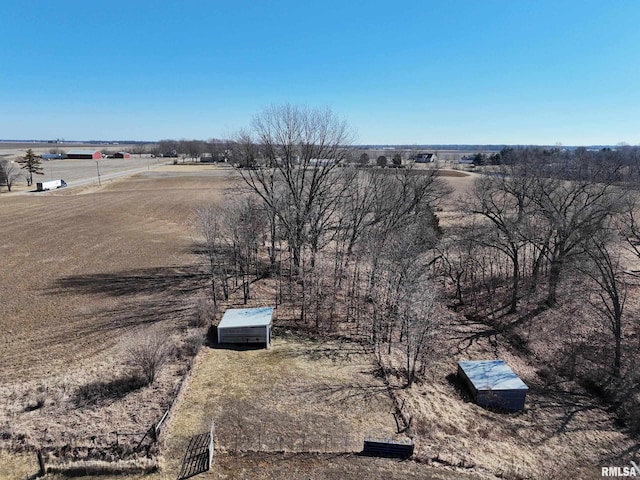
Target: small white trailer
[(50, 185)]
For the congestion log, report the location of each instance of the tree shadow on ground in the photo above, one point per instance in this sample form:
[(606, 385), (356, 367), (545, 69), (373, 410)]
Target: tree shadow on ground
[(143, 297), (98, 392), (563, 409), (148, 281), (337, 394)]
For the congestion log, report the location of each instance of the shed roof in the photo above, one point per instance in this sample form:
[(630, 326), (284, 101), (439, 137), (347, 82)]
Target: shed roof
[(246, 317), (492, 375), (82, 152)]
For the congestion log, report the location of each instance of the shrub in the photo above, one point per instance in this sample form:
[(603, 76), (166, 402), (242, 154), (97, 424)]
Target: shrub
[(149, 353), (36, 403), (205, 311), (192, 345), (6, 431)]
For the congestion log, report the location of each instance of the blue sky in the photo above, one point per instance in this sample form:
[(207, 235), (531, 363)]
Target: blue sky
[(450, 71)]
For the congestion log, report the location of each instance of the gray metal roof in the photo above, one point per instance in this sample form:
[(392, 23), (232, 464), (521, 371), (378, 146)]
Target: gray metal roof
[(492, 375), (246, 317), (82, 152)]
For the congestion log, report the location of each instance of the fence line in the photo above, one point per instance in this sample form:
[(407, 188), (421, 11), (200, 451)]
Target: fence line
[(198, 457), (212, 432)]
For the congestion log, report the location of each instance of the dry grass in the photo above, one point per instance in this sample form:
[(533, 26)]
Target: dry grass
[(298, 387), (85, 270), (564, 432), (18, 465)]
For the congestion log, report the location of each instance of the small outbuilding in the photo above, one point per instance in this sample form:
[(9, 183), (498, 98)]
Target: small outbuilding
[(84, 154), (52, 156), (121, 155), (246, 326), (426, 158), (493, 384)]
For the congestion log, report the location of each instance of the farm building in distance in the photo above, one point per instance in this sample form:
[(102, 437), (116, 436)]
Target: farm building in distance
[(84, 154), (52, 156), (246, 326), (121, 155), (426, 158), (493, 384)]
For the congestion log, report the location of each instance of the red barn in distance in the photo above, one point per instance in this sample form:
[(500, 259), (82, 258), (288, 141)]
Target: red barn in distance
[(85, 154), (121, 155)]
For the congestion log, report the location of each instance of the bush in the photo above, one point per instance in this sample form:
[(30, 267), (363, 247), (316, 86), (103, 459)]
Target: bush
[(36, 403), (149, 353), (6, 431), (205, 311), (192, 345)]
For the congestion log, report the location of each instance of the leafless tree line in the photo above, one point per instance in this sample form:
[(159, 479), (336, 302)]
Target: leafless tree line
[(346, 248), (217, 150), (533, 225), (359, 251)]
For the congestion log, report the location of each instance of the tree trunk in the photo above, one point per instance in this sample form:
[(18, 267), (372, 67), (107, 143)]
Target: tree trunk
[(554, 281), (516, 281)]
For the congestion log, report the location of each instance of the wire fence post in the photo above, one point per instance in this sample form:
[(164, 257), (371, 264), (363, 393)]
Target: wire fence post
[(41, 464), (212, 433)]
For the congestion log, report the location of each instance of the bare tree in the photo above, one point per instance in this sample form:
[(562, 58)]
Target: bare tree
[(605, 270), (570, 212), (139, 149), (504, 202), (190, 149), (421, 327), (9, 173), (168, 148), (218, 149), (630, 222), (210, 228), (293, 154), (244, 225), (149, 352)]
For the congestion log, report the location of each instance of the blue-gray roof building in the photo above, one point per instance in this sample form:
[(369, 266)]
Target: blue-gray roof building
[(246, 326), (493, 384)]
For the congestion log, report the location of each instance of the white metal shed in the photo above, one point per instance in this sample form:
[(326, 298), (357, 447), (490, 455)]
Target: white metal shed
[(493, 384), (246, 326)]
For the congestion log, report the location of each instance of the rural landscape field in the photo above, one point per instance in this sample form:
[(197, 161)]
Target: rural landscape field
[(90, 270), (292, 240)]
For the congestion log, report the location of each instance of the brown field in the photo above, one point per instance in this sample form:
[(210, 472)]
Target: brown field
[(85, 269)]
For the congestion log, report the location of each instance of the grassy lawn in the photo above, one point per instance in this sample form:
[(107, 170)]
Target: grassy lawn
[(266, 403)]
